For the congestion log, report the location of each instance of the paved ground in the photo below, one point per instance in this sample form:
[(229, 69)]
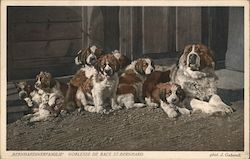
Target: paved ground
[(138, 129)]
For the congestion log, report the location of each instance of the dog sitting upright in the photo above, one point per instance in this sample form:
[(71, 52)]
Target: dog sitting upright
[(87, 59), (99, 89), (129, 92)]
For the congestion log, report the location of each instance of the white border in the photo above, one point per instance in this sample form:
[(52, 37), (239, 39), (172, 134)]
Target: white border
[(147, 154)]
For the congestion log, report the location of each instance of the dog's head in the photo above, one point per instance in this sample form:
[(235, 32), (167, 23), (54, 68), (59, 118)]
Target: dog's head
[(23, 89), (144, 66), (122, 59), (107, 65), (88, 56), (171, 92), (197, 57), (44, 80)]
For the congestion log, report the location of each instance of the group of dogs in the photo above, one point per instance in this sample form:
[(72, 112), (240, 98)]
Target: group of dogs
[(107, 82)]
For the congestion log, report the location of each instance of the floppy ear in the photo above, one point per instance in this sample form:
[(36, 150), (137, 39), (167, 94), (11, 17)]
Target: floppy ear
[(181, 94), (183, 58), (138, 67), (163, 95), (98, 64), (117, 64)]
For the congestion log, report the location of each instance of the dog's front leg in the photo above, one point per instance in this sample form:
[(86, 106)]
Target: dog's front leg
[(195, 74), (98, 101), (169, 109)]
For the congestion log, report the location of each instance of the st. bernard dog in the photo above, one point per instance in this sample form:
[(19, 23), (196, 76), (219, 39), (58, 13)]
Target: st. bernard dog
[(169, 96), (87, 59), (99, 90), (56, 90), (88, 56), (195, 74), (129, 92)]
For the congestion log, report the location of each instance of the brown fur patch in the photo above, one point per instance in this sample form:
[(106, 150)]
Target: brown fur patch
[(141, 65), (78, 79), (87, 86), (47, 81), (129, 78), (153, 79)]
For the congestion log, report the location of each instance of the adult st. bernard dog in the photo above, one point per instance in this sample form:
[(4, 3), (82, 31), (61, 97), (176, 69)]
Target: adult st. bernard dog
[(129, 92), (195, 74), (100, 88)]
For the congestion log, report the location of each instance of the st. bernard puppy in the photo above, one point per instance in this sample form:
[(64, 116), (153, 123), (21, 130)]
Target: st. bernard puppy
[(195, 74), (99, 89), (87, 59), (129, 92), (45, 83), (88, 56), (169, 96)]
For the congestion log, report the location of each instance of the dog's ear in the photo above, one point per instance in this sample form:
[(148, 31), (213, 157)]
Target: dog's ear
[(138, 67), (163, 95), (181, 93), (98, 64), (116, 64)]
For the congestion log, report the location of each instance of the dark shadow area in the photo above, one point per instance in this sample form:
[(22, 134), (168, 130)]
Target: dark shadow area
[(229, 95)]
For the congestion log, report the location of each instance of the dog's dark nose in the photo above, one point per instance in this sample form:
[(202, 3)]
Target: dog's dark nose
[(192, 58), (108, 72), (23, 94), (174, 100)]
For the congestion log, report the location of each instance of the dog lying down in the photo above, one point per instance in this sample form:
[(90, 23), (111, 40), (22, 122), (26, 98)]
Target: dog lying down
[(169, 96)]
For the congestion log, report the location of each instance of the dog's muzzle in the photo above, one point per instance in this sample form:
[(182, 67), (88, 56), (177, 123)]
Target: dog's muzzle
[(109, 72), (22, 94), (92, 60), (193, 61)]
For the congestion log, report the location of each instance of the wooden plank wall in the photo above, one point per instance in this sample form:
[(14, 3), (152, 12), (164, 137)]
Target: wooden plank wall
[(47, 38), (43, 38)]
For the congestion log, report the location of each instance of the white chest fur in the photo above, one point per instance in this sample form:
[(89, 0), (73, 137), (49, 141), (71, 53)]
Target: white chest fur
[(201, 88)]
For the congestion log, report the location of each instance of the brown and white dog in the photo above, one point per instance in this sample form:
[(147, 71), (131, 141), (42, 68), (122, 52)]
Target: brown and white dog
[(100, 88), (129, 92), (45, 98), (195, 74), (88, 56), (55, 91), (169, 96)]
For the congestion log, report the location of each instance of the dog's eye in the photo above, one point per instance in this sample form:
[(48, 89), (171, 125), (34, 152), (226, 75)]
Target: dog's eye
[(169, 93)]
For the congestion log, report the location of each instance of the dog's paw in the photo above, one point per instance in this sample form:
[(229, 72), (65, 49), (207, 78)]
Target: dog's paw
[(172, 113), (116, 107), (184, 111)]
